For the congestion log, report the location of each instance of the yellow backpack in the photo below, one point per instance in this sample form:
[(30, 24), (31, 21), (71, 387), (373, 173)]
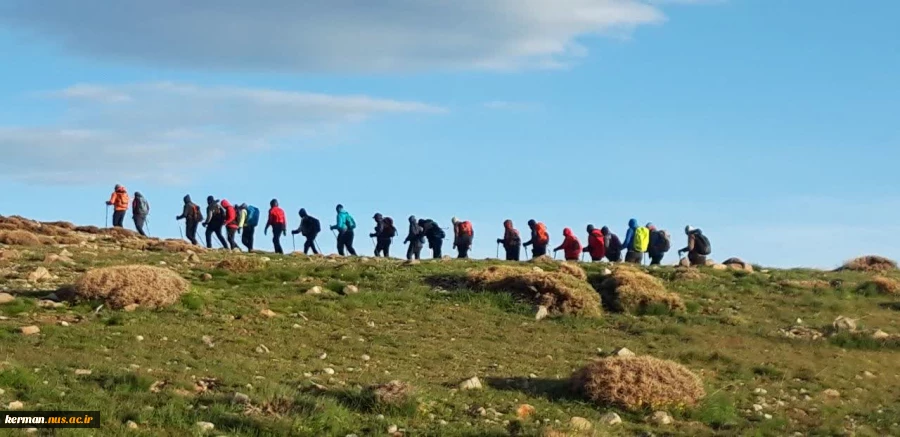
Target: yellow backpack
[(641, 239)]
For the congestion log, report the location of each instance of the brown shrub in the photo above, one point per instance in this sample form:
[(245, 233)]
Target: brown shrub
[(871, 263), (629, 289), (64, 225), (394, 393), (88, 229), (636, 383), (46, 241), (688, 274), (559, 292), (883, 285), (121, 233), (8, 227), (543, 259), (240, 264), (173, 246), (68, 239), (806, 284), (119, 286), (9, 255), (573, 269), (134, 243), (19, 238)]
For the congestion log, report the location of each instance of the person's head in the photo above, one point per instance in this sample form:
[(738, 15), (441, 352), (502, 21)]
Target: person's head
[(138, 194), (412, 219), (378, 217), (243, 206), (421, 222), (302, 212), (339, 207), (604, 230), (567, 232), (688, 229), (590, 228), (187, 199), (210, 200), (273, 203), (632, 223), (117, 187), (454, 220), (508, 224), (650, 226), (532, 223)]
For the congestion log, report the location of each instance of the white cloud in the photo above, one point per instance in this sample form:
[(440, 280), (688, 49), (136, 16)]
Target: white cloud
[(331, 35), (155, 131)]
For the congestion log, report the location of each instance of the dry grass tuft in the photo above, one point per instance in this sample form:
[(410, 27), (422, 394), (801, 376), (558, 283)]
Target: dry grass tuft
[(561, 293), (394, 393), (19, 238), (63, 225), (543, 259), (629, 289), (68, 239), (871, 263), (240, 264), (688, 274), (883, 285), (807, 284), (636, 383), (119, 286), (177, 246), (9, 255), (133, 243), (46, 241), (573, 269), (88, 229), (121, 233)]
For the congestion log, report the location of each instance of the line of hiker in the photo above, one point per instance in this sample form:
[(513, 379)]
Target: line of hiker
[(640, 241)]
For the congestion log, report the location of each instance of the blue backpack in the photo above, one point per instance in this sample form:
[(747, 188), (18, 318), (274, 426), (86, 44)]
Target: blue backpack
[(252, 216)]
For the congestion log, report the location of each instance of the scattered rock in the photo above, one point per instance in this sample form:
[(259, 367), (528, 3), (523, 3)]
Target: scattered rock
[(844, 324), (767, 416), (193, 258), (262, 349), (15, 405), (208, 341), (868, 374), (760, 391), (139, 337), (606, 272), (6, 298), (351, 289), (366, 357), (63, 323), (541, 313), (757, 407), (206, 277), (268, 313), (130, 308), (38, 275), (205, 426), (412, 262), (315, 290), (392, 429), (240, 399), (831, 393), (82, 372), (662, 418), (323, 356), (524, 411), (801, 332), (880, 335), (471, 384), (582, 424), (65, 253), (30, 330), (265, 259), (719, 267), (623, 352), (131, 425), (328, 371)]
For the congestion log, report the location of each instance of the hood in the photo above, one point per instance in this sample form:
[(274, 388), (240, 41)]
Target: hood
[(454, 220), (210, 199), (138, 194), (378, 217), (187, 199), (508, 224), (120, 189), (633, 224), (226, 204), (568, 232), (412, 220), (302, 212), (590, 228), (532, 223), (243, 206), (650, 226), (339, 208), (604, 230)]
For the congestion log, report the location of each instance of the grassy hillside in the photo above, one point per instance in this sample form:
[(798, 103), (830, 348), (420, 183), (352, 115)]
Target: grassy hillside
[(302, 367)]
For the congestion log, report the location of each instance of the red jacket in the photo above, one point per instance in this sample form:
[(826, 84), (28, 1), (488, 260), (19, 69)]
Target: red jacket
[(276, 217), (571, 246), (230, 215), (596, 245)]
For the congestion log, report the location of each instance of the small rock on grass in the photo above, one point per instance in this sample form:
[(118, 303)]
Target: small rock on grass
[(831, 393), (240, 398), (611, 419), (82, 372), (471, 384), (661, 418), (206, 277), (582, 424), (130, 308), (351, 289), (205, 426), (63, 323), (131, 425), (15, 405), (315, 290), (623, 352), (267, 313), (328, 371), (6, 298), (366, 357), (524, 411), (30, 330), (541, 313)]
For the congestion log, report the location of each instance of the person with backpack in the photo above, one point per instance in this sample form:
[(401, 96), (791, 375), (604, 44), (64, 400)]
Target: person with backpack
[(636, 241), (215, 219), (571, 247), (345, 225), (383, 235), (613, 245), (510, 241), (540, 238), (596, 243), (698, 247), (231, 223), (463, 236), (309, 228), (278, 222), (415, 238), (660, 243), (192, 216), (119, 201), (435, 236), (140, 208), (247, 223)]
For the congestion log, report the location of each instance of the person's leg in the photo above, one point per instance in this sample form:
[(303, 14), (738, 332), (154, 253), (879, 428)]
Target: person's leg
[(231, 232), (387, 248), (209, 233), (191, 231), (656, 259), (418, 250), (436, 248), (410, 251), (312, 240), (139, 225), (349, 242), (340, 243), (277, 230), (245, 236), (514, 253), (118, 219), (539, 251), (218, 232)]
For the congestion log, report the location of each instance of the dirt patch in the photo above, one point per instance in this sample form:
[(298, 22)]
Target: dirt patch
[(636, 383), (629, 289), (19, 238), (882, 285), (798, 332), (149, 287), (561, 293), (240, 264), (394, 393), (806, 284), (871, 263)]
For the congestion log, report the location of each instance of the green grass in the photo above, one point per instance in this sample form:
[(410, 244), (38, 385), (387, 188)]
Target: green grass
[(421, 325)]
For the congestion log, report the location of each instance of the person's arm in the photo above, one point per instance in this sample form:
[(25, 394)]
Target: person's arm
[(112, 199), (284, 223), (242, 218), (268, 223), (299, 228), (690, 245)]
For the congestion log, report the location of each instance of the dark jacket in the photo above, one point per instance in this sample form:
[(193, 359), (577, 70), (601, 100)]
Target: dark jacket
[(309, 226), (416, 233), (432, 231), (188, 211), (511, 237)]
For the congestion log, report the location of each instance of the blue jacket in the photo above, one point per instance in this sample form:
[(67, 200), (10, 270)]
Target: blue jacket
[(629, 236), (344, 221)]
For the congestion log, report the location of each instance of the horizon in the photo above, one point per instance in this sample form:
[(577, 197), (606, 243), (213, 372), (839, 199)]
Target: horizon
[(760, 124)]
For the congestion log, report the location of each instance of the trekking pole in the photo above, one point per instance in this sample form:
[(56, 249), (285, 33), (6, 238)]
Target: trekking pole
[(147, 222), (316, 244), (179, 231), (106, 217), (582, 256), (498, 250), (294, 242)]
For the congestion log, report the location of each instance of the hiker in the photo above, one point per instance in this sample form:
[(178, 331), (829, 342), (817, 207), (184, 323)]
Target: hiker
[(660, 243), (140, 208), (540, 238), (596, 243), (698, 247), (435, 236), (571, 247), (309, 228), (278, 222), (192, 217), (510, 241), (215, 219), (247, 223), (345, 225), (463, 235), (231, 223), (632, 254), (383, 235), (415, 238), (119, 202), (613, 245)]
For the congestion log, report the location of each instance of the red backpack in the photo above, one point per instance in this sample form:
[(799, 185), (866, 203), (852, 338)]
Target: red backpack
[(542, 236), (465, 228)]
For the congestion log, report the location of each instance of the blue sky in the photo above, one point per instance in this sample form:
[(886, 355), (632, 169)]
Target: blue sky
[(770, 125)]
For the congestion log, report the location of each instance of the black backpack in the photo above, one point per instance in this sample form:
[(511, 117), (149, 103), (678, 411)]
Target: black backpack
[(389, 230), (434, 231), (701, 244), (661, 241)]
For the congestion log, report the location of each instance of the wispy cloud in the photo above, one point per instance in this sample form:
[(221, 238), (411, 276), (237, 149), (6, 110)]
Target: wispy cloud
[(156, 130), (329, 35)]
